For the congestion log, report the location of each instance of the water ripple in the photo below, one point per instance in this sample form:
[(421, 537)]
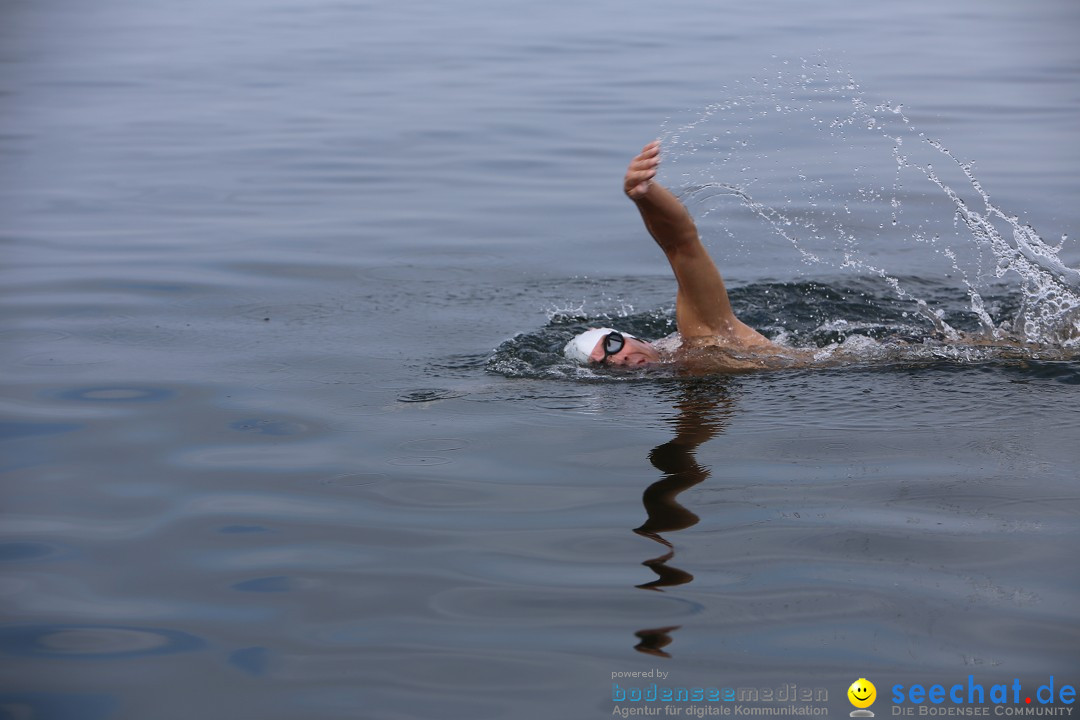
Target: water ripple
[(91, 642)]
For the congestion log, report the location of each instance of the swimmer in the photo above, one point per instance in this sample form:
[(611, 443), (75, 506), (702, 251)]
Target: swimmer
[(703, 312)]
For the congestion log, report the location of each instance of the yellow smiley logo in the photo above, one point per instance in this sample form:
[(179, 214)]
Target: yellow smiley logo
[(862, 693)]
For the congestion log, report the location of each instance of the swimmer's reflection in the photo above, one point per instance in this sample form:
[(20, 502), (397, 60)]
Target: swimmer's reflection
[(704, 409)]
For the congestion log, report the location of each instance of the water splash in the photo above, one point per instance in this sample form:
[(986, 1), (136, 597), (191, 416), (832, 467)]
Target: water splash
[(810, 146), (1050, 305)]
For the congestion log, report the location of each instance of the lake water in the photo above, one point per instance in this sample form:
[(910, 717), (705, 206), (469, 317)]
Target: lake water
[(286, 429)]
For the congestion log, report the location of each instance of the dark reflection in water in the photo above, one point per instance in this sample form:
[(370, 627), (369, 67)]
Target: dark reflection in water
[(653, 641), (703, 410)]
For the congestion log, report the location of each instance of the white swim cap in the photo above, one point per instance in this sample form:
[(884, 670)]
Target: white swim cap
[(581, 346)]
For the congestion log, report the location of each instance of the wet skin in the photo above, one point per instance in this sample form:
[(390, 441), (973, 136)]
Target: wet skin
[(634, 353)]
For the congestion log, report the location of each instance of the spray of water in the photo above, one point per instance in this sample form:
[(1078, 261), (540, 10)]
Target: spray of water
[(832, 197), (1050, 306)]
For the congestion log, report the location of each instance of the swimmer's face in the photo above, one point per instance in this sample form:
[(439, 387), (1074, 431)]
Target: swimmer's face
[(634, 353)]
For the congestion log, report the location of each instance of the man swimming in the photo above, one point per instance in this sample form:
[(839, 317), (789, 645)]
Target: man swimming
[(703, 312)]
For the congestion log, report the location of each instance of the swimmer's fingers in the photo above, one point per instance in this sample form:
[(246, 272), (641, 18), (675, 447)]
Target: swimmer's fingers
[(651, 150), (642, 170)]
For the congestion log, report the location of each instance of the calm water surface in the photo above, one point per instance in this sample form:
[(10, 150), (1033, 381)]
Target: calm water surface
[(286, 432)]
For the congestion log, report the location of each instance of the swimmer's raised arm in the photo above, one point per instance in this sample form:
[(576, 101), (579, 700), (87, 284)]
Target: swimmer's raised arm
[(667, 219), (702, 307)]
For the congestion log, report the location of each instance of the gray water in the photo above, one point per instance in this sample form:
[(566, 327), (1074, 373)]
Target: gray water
[(286, 431)]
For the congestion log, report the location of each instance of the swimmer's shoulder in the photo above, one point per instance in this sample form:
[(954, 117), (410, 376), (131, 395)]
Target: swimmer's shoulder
[(722, 354)]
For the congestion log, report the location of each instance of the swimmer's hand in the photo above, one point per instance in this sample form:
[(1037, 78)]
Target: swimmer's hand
[(641, 171)]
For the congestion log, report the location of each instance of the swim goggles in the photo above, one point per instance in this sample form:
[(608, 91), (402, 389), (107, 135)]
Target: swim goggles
[(613, 343)]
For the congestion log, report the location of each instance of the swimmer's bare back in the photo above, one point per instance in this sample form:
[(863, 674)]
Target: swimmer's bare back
[(703, 311)]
